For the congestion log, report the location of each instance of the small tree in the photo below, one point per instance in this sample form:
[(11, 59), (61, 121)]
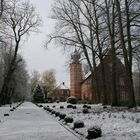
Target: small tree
[(38, 95)]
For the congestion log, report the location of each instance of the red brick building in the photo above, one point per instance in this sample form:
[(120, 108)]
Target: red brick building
[(61, 93), (81, 88)]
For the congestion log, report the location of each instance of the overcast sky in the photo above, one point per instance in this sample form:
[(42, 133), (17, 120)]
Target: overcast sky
[(39, 58)]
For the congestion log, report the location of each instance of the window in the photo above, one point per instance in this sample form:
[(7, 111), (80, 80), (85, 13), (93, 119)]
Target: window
[(122, 81)]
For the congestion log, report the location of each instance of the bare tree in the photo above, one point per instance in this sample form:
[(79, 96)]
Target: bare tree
[(80, 31), (127, 53), (92, 27), (20, 21)]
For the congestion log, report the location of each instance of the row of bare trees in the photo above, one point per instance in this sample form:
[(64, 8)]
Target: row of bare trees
[(96, 27), (17, 20)]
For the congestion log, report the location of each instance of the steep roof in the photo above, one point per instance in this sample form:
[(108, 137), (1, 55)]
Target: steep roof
[(63, 86)]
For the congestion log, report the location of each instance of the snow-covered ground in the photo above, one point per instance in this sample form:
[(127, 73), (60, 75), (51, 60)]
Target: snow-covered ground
[(5, 109), (29, 122), (116, 123)]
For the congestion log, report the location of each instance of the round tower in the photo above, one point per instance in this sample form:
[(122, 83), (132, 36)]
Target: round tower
[(75, 75)]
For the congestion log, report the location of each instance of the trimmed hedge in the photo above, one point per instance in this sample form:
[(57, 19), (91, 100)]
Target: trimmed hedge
[(40, 106), (6, 114), (11, 109), (57, 114), (61, 107), (74, 107), (78, 124), (85, 106), (62, 116), (68, 119), (94, 132), (85, 111), (89, 107), (69, 106), (53, 112), (72, 100)]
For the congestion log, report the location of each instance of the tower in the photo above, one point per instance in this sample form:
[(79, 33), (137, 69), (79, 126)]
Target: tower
[(75, 75)]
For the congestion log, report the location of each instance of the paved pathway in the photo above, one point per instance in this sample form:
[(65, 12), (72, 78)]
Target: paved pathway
[(29, 122)]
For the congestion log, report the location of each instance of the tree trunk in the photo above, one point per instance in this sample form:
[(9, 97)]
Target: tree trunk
[(105, 100), (132, 102), (95, 83), (111, 30), (4, 90)]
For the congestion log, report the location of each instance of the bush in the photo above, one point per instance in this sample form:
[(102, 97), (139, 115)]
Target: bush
[(94, 132), (6, 114), (74, 107), (11, 109), (57, 101), (61, 107), (72, 100), (47, 108), (85, 111), (104, 107), (68, 119), (53, 112), (62, 116), (78, 124), (40, 106), (137, 120), (53, 106), (69, 106), (85, 106), (57, 114), (50, 110), (89, 107)]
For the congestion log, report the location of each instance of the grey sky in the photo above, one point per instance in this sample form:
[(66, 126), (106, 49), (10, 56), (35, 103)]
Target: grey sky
[(39, 58)]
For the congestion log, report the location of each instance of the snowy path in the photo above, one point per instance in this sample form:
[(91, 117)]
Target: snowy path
[(29, 122)]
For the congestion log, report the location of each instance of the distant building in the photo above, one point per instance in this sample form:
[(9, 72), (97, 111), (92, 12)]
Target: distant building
[(61, 93), (82, 88)]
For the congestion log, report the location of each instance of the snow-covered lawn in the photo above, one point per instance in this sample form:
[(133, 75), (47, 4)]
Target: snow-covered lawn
[(116, 123), (5, 109)]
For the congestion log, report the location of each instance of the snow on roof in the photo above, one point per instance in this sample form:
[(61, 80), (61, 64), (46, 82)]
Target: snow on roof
[(63, 86), (87, 75)]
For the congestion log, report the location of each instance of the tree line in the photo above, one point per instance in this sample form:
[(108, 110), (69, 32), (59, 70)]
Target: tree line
[(18, 19), (96, 27), (43, 85)]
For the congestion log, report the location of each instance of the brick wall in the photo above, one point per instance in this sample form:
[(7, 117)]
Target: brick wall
[(122, 84), (75, 80)]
